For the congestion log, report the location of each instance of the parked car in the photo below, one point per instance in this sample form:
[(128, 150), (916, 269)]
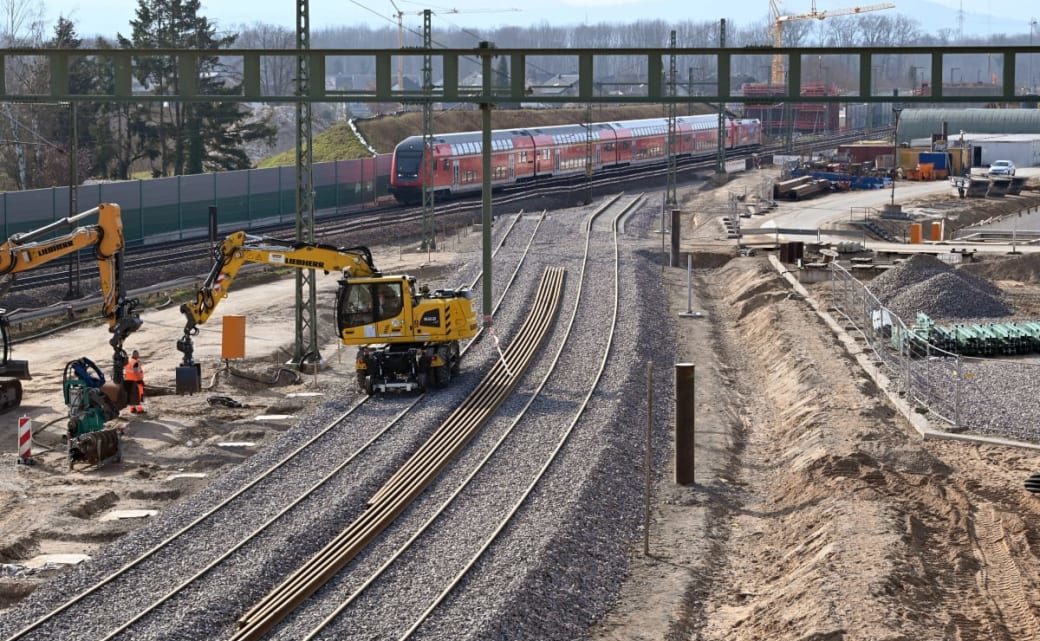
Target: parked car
[(1002, 168)]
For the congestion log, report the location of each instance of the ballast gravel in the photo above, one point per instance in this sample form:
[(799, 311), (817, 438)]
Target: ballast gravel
[(209, 608), (555, 569)]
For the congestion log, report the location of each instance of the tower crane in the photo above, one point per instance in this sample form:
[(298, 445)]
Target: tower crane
[(399, 16), (777, 75)]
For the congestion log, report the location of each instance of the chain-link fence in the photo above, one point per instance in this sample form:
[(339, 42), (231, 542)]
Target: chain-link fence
[(991, 396)]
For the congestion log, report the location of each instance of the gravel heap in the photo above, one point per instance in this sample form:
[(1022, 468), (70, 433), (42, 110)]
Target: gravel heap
[(926, 284), (946, 295)]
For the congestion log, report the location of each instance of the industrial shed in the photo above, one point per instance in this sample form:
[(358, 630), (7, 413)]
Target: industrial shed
[(922, 123)]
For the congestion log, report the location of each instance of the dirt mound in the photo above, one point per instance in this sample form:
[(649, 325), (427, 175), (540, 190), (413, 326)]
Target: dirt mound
[(945, 295), (1025, 268)]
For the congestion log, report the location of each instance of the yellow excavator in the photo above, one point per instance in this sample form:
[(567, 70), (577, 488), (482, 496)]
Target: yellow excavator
[(408, 338), (30, 250)]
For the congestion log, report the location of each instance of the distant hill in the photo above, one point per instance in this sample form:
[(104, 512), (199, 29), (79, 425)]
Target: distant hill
[(384, 132)]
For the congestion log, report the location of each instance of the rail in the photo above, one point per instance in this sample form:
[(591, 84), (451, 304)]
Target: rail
[(329, 430)]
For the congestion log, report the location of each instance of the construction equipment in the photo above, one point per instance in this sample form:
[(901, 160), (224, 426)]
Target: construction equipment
[(408, 337), (31, 250), (91, 403), (777, 71)]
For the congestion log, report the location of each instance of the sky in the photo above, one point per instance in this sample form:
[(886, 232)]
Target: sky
[(105, 17)]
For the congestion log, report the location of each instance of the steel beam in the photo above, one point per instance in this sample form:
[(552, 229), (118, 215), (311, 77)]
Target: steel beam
[(124, 60)]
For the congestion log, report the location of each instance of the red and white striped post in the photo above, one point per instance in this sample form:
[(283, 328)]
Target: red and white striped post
[(25, 440)]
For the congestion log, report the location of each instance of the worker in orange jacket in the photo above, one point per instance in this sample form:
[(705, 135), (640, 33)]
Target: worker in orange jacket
[(134, 374)]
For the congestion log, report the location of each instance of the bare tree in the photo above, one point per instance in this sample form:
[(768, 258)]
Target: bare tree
[(21, 25), (276, 72)]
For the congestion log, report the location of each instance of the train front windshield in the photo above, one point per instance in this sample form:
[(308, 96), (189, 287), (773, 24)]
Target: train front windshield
[(408, 163)]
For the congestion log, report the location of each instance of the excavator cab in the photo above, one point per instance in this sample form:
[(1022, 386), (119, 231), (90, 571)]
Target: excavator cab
[(407, 341)]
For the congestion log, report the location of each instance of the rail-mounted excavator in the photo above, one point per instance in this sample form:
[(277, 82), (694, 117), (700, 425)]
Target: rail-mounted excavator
[(31, 250), (408, 338), (91, 403)]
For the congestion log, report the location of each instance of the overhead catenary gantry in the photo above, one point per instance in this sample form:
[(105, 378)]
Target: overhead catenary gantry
[(518, 90)]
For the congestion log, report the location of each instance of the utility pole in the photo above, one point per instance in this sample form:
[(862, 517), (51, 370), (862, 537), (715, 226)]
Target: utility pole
[(671, 197), (74, 285), (588, 153), (485, 207), (720, 152), (429, 242), (306, 348)]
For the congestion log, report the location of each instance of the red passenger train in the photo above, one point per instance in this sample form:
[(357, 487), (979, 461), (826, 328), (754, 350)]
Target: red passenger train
[(520, 155)]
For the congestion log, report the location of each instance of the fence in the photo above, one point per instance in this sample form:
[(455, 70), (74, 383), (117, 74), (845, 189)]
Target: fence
[(982, 395), (172, 208)]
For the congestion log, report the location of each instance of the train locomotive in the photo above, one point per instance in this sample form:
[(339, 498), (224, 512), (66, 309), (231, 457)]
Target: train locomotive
[(520, 155)]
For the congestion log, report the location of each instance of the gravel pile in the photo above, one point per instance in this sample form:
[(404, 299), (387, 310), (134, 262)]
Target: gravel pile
[(918, 269), (946, 295), (926, 284)]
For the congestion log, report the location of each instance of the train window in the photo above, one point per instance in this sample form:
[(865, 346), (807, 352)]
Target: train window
[(408, 163), (523, 156), (447, 164)]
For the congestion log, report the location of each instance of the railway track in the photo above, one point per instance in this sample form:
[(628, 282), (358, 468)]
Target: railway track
[(410, 479), (179, 252), (64, 615)]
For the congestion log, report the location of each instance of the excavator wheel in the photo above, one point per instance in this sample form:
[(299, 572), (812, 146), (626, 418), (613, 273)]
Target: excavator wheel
[(1033, 484), (442, 375), (365, 383), (10, 393)]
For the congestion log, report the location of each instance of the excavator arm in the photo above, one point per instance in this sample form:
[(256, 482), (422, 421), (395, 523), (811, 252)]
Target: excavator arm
[(31, 250), (240, 248)]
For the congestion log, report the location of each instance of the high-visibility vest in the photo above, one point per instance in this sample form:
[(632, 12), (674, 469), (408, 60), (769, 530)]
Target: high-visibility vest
[(132, 370)]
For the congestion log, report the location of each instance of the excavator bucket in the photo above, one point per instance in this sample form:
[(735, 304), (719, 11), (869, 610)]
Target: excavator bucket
[(189, 378), (15, 369)]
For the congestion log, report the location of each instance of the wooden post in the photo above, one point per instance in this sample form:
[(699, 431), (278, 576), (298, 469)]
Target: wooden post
[(685, 424)]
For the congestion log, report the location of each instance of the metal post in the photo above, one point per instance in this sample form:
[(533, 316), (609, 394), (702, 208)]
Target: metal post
[(675, 238), (689, 283), (74, 264), (648, 459), (672, 200), (720, 151), (588, 153), (685, 424), (429, 241), (485, 112), (306, 346), (957, 394)]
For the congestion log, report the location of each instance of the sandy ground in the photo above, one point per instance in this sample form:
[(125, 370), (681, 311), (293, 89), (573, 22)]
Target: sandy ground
[(818, 515), (46, 510)]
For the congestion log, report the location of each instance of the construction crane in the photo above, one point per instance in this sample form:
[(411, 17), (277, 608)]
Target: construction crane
[(399, 16), (777, 75)]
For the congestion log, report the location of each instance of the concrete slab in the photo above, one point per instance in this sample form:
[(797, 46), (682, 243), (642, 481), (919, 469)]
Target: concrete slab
[(236, 444), (120, 515), (56, 559), (274, 417), (187, 475)]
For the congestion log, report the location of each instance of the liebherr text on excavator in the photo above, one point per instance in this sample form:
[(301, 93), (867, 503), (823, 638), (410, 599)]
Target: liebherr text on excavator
[(408, 338), (31, 250)]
